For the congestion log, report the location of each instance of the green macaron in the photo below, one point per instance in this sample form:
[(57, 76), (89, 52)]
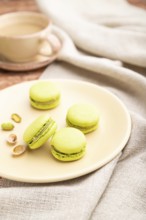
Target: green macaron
[(39, 131), (44, 95), (68, 144), (83, 117)]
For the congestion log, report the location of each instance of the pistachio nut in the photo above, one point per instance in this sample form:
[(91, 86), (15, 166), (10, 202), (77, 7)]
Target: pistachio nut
[(16, 118), (8, 126)]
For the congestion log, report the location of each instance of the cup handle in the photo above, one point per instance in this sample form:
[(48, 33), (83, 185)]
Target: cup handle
[(49, 45)]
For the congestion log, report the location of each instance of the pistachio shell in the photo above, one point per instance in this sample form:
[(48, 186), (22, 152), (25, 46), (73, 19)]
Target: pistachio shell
[(12, 139), (18, 150)]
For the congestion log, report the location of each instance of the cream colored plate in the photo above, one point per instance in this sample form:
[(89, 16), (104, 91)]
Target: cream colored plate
[(39, 166)]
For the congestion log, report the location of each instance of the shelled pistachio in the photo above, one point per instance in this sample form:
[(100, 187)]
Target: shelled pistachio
[(7, 126), (16, 118)]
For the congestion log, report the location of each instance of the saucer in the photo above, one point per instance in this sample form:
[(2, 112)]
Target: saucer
[(36, 62)]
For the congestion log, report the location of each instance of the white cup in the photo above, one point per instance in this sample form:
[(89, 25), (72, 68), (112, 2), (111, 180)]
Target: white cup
[(22, 35)]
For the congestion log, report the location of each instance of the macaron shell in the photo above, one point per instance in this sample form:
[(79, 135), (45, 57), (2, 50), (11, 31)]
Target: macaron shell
[(82, 115), (44, 91), (69, 157), (68, 140)]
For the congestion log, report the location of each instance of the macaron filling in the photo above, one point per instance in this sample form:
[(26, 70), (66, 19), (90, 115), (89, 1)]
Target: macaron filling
[(49, 102), (45, 128), (85, 129), (72, 156)]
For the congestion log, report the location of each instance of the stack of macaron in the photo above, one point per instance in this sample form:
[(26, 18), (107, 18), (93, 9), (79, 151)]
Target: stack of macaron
[(83, 117), (69, 143), (39, 131), (44, 95)]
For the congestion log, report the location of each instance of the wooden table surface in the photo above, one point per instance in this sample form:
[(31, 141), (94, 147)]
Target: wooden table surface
[(8, 78)]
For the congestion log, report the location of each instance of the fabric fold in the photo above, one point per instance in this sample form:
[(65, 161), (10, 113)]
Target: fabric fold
[(112, 29)]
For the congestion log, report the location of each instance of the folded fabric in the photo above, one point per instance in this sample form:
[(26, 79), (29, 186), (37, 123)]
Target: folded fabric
[(108, 28)]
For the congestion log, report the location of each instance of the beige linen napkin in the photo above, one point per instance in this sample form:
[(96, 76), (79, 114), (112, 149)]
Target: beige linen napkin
[(108, 28), (118, 189)]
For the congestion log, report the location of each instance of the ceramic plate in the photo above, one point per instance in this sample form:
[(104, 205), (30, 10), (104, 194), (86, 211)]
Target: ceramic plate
[(39, 166)]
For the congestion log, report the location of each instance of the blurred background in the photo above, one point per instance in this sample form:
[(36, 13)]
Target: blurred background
[(8, 78)]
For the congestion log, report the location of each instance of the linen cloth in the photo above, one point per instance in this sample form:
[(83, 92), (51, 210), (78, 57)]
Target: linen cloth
[(108, 28), (118, 189)]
